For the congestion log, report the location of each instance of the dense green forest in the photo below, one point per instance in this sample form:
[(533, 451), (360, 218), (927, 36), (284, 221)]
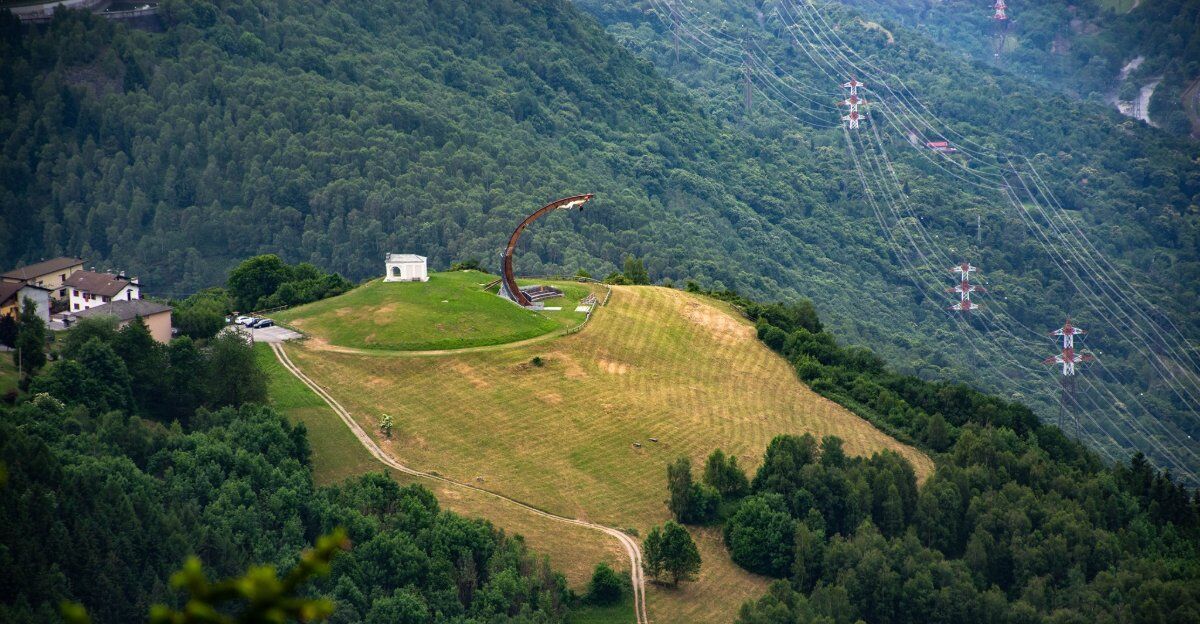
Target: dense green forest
[(1131, 190), (1077, 47), (1017, 524), (128, 456), (332, 133)]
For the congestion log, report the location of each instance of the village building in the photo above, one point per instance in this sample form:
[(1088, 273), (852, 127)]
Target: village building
[(406, 268), (13, 296), (87, 289), (49, 274), (156, 315)]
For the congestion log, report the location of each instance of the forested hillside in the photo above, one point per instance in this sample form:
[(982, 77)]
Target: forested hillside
[(335, 132), (1018, 523), (1077, 47), (113, 477), (1127, 190)]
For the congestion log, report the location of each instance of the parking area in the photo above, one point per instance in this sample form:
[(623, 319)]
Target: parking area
[(266, 334), (274, 334)]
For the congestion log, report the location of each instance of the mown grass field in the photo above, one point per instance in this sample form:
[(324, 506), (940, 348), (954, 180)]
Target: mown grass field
[(450, 311), (337, 455), (573, 436)]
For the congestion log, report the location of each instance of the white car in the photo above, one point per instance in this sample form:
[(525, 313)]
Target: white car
[(242, 320)]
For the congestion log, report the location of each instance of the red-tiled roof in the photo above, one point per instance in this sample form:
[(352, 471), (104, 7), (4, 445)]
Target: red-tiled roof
[(103, 284)]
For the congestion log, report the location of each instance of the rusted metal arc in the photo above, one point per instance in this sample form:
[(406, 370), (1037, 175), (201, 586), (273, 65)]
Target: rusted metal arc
[(510, 281)]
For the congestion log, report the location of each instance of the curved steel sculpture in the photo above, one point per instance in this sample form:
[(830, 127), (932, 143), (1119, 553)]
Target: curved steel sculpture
[(508, 284)]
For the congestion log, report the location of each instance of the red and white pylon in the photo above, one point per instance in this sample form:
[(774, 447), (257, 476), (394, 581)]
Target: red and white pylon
[(1001, 11), (964, 288), (1000, 17), (853, 116), (1068, 359)]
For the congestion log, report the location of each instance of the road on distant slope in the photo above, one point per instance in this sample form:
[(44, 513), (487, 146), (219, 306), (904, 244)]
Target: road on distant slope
[(632, 549)]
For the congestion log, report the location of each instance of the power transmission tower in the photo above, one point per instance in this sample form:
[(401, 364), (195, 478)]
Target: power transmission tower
[(1068, 359), (853, 116), (964, 288), (1000, 17)]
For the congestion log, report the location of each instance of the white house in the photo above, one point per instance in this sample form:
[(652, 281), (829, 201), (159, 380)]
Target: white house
[(88, 289), (406, 268)]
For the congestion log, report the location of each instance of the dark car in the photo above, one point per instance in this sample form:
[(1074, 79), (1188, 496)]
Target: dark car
[(264, 323)]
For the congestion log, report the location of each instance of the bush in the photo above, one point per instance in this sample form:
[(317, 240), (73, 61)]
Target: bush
[(471, 264), (616, 279), (635, 271), (266, 281), (669, 550), (202, 315), (724, 475), (606, 586), (705, 501), (760, 535)]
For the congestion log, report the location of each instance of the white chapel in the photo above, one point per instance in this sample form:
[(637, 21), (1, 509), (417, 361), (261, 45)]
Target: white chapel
[(406, 268)]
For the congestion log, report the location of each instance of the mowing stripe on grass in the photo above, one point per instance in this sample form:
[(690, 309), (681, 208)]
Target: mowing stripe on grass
[(632, 549)]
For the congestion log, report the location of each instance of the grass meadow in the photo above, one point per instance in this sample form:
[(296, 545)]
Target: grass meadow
[(450, 311), (337, 455), (573, 435)]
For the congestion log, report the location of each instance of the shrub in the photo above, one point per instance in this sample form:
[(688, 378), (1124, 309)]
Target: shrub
[(471, 264), (760, 535), (606, 586), (669, 550)]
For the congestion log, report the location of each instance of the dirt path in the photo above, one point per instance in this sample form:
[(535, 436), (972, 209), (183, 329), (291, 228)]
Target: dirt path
[(632, 550)]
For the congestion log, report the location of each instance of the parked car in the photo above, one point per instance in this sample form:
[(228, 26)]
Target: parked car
[(254, 322), (242, 320), (265, 323)]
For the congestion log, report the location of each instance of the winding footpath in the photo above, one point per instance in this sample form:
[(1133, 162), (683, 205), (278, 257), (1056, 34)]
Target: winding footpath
[(632, 549)]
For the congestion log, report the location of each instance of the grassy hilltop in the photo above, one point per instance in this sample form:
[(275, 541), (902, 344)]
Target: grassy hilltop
[(654, 363), (450, 311)]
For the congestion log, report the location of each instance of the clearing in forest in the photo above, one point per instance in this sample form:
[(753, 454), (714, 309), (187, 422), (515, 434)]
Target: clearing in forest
[(450, 311), (571, 432)]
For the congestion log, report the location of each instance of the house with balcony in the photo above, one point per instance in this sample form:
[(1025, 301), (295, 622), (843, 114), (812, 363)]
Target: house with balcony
[(88, 289)]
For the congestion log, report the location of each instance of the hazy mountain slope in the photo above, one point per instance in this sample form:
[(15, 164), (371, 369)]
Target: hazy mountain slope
[(1078, 47)]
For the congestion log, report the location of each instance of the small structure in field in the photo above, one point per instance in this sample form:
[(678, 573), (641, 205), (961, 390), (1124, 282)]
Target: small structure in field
[(406, 268), (541, 292)]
